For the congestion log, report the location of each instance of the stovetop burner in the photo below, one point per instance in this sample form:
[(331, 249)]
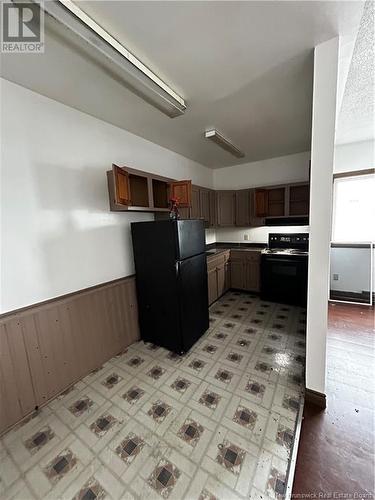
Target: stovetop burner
[(285, 251)]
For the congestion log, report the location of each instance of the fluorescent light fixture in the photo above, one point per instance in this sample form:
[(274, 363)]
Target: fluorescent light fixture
[(221, 141), (130, 69)]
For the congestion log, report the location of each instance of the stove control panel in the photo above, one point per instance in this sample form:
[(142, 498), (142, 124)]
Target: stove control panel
[(298, 241)]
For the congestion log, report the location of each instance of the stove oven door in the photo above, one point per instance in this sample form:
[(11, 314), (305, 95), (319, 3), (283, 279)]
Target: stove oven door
[(284, 279)]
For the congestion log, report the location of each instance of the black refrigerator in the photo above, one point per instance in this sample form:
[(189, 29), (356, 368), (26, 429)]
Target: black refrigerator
[(171, 277)]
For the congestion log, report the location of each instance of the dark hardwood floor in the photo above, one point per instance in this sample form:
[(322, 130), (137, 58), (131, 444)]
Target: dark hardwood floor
[(336, 451)]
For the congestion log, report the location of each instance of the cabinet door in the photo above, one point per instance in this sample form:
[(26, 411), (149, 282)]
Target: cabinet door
[(227, 280), (261, 203), (220, 272), (213, 211), (121, 186), (243, 208), (237, 274), (252, 275), (184, 212), (195, 212), (182, 191), (226, 211), (276, 202), (299, 199), (212, 286), (254, 219), (204, 201)]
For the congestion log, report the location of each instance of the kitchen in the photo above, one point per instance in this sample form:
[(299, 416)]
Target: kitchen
[(150, 352)]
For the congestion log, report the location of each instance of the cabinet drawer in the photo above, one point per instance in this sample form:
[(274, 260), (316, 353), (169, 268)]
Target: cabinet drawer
[(237, 255), (213, 262), (253, 256)]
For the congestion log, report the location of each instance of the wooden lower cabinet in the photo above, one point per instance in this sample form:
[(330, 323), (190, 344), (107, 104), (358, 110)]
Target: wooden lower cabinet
[(237, 274), (227, 276), (245, 270), (218, 272), (220, 277), (252, 275), (212, 286), (235, 269)]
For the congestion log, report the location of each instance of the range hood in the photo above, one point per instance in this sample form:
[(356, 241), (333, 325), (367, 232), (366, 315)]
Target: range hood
[(297, 220)]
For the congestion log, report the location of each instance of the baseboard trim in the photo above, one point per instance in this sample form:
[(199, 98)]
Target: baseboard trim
[(315, 398), (294, 452), (347, 296)]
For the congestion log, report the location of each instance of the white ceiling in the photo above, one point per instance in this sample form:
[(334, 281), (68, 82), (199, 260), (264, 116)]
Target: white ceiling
[(244, 68), (356, 119)]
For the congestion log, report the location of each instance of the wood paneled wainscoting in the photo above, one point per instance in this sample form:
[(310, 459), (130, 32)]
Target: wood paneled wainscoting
[(47, 347)]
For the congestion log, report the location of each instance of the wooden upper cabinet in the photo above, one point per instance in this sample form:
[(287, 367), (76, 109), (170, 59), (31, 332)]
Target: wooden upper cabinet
[(270, 202), (121, 186), (195, 211), (131, 189), (226, 208), (183, 191), (276, 202), (243, 207), (254, 220), (204, 202), (299, 199), (261, 202), (213, 209)]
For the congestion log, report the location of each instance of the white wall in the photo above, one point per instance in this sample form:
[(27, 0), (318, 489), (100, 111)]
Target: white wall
[(57, 232), (354, 156), (322, 158), (353, 268), (281, 170), (210, 236)]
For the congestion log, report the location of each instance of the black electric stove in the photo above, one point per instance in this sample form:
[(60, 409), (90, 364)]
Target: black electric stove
[(284, 268)]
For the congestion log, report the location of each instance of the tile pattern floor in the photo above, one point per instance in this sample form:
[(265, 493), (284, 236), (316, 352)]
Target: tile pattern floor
[(218, 422)]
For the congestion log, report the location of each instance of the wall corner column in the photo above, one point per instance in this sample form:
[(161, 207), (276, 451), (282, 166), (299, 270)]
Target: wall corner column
[(322, 159)]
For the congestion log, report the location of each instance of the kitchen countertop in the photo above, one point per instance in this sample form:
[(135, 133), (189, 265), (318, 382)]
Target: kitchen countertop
[(213, 250)]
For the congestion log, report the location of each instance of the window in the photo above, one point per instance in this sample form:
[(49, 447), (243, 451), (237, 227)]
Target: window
[(354, 209)]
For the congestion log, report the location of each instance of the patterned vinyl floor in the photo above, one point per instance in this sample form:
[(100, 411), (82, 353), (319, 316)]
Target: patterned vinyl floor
[(216, 423)]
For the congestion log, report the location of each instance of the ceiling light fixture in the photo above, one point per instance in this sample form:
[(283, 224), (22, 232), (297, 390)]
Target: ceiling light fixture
[(221, 141), (132, 71)]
